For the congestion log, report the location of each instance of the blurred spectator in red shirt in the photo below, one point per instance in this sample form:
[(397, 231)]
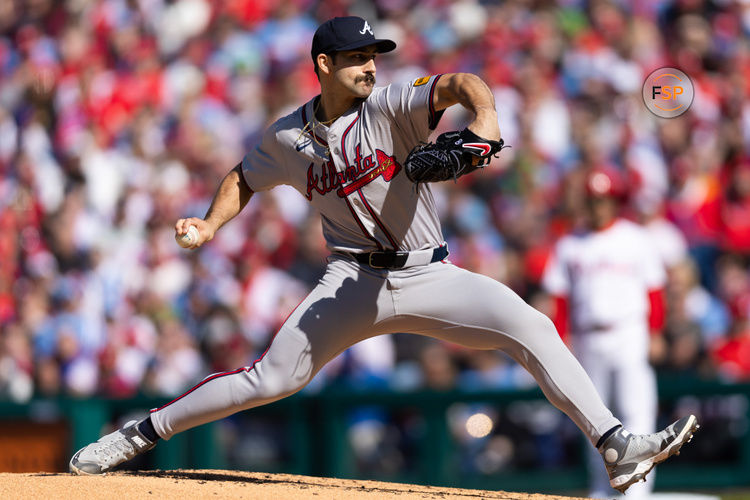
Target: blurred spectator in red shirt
[(735, 209), (732, 354)]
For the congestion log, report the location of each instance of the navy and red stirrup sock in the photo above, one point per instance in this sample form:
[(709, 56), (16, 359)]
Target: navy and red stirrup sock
[(606, 435), (146, 427)]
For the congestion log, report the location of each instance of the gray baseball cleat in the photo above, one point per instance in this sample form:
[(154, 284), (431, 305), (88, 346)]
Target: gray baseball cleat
[(629, 457), (111, 450)]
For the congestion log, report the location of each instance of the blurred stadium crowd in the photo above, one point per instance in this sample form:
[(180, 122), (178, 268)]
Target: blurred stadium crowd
[(117, 117)]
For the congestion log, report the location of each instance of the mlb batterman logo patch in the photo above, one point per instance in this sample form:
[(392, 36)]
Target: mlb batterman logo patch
[(421, 81)]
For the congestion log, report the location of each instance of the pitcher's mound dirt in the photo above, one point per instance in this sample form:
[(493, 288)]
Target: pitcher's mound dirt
[(216, 484)]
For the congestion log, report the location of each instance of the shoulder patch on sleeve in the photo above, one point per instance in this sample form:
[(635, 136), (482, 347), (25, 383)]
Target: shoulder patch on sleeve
[(421, 81)]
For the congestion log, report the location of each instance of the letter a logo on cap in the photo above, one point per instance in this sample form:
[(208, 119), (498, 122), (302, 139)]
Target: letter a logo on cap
[(366, 29)]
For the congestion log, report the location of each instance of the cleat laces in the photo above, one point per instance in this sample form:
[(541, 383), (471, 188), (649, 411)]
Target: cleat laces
[(114, 450)]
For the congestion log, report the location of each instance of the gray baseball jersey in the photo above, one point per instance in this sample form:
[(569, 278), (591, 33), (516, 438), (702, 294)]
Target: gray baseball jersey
[(365, 200), (351, 172)]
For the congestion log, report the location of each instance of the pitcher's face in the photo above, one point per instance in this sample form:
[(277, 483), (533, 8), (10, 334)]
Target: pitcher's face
[(353, 71)]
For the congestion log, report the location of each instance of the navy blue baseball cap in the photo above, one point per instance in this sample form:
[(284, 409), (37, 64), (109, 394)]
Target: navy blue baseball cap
[(346, 33)]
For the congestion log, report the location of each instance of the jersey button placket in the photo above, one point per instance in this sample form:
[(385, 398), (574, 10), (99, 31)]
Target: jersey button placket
[(332, 142)]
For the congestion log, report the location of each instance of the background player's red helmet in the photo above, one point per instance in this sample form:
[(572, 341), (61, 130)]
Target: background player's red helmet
[(605, 181)]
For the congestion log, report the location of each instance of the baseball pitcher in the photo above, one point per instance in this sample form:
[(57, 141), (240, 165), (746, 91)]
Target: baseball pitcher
[(356, 153)]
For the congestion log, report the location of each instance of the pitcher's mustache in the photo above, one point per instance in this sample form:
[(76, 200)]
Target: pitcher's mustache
[(365, 78)]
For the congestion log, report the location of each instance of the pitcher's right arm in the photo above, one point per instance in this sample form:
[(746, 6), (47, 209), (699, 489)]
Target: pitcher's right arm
[(229, 200)]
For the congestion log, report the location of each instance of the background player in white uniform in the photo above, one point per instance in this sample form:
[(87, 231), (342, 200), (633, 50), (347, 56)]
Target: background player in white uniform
[(610, 278), (387, 271)]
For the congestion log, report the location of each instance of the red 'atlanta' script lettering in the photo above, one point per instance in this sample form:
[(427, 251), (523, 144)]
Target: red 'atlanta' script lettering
[(325, 178)]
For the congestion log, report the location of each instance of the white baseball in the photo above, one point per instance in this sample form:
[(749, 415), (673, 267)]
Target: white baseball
[(188, 239), (479, 425)]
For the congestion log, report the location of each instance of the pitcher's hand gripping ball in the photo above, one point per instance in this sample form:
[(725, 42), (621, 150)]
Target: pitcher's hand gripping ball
[(188, 239), (452, 155)]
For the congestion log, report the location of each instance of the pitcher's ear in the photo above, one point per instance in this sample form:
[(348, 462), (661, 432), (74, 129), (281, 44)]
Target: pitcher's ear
[(325, 63)]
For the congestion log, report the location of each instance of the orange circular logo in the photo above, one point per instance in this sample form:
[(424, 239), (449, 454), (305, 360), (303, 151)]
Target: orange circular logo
[(668, 92)]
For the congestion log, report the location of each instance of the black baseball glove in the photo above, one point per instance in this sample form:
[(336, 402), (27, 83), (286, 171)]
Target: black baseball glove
[(452, 155)]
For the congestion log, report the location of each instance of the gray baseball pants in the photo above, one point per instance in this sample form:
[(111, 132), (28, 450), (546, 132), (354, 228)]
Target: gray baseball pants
[(353, 302)]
